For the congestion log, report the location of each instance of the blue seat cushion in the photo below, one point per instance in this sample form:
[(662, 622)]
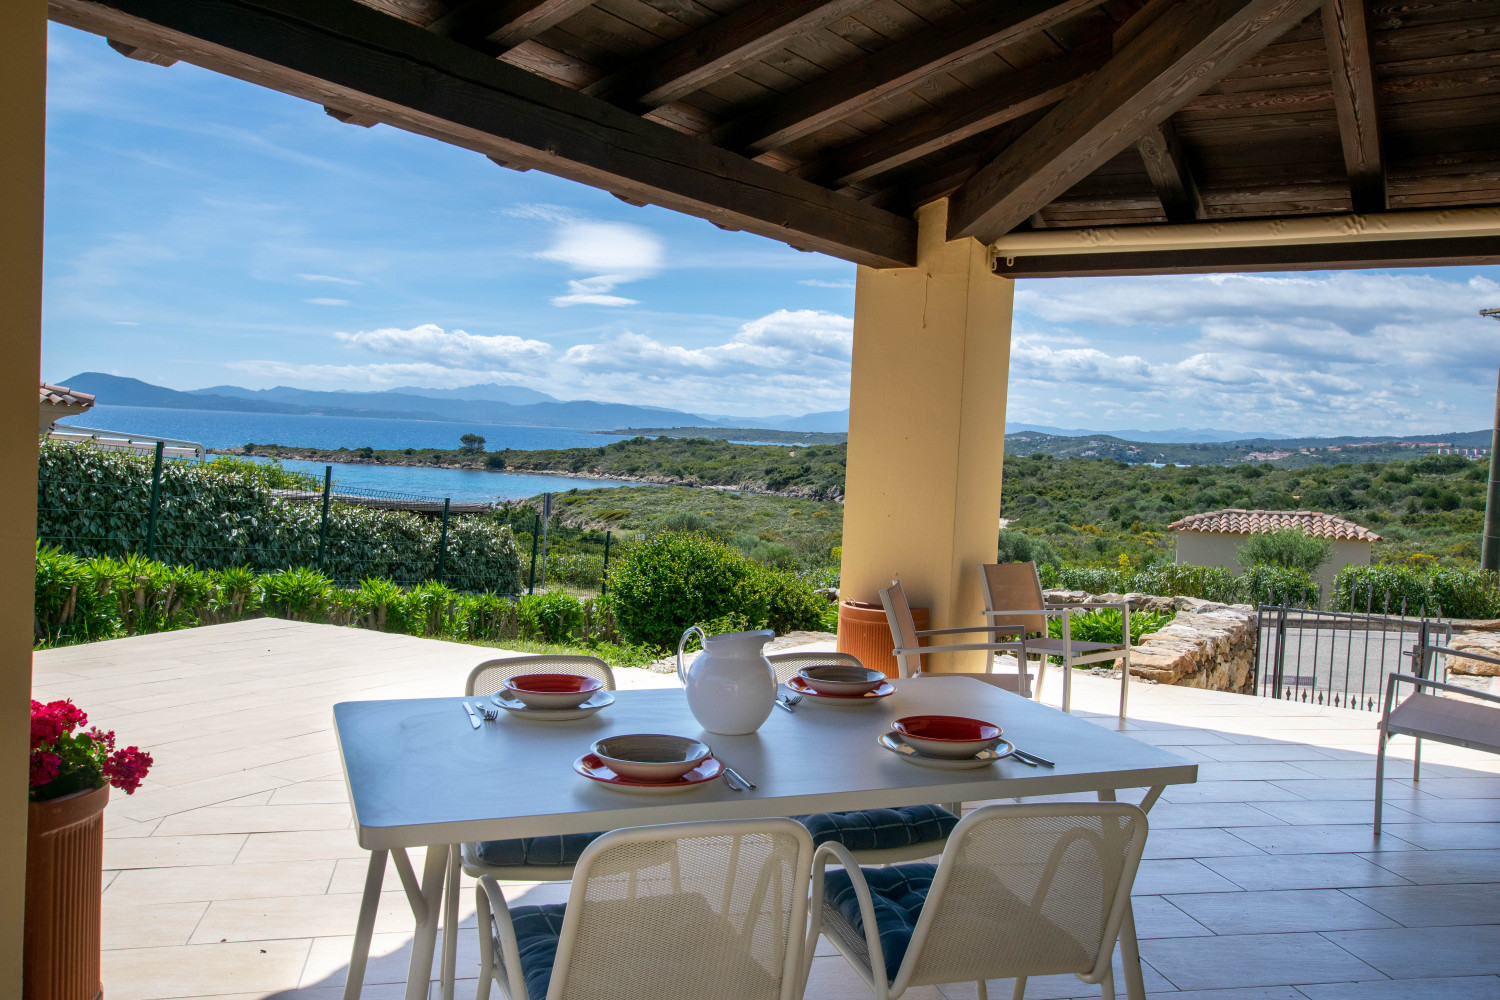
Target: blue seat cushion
[(537, 930), (898, 894), (881, 829), (560, 849)]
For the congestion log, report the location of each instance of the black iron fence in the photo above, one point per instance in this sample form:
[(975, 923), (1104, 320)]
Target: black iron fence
[(1338, 658)]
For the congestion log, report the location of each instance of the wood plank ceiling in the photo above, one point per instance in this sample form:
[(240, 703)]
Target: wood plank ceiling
[(1028, 114)]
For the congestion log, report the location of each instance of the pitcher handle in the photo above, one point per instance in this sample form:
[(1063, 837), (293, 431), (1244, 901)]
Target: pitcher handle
[(681, 670)]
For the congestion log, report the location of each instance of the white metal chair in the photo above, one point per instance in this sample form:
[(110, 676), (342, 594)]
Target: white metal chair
[(1013, 595), (909, 649), (689, 911), (478, 859), (1022, 890), (920, 822), (1472, 719)]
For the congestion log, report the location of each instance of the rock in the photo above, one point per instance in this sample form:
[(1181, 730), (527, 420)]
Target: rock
[(1483, 643), (1149, 602), (1065, 596), (1211, 647), (1196, 604)]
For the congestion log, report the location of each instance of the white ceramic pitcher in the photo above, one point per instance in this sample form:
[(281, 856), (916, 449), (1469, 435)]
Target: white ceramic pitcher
[(731, 687)]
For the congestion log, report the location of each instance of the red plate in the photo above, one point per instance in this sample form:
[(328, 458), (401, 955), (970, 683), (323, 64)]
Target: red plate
[(947, 729), (801, 687), (594, 769), (554, 683)]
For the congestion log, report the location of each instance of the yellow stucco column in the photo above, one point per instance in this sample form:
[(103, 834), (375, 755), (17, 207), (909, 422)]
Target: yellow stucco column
[(23, 78), (927, 429)]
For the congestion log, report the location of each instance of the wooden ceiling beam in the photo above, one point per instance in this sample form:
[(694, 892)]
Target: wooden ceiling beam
[(722, 47), (494, 26), (943, 47), (1353, 75), (142, 55), (342, 54), (958, 119), (1170, 174), (1186, 50), (1470, 250)]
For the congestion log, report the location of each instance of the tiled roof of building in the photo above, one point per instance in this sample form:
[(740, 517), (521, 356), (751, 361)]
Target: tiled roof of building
[(61, 395), (1234, 521)]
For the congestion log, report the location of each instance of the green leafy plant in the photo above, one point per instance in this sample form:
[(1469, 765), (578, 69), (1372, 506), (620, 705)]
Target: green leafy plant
[(301, 594), (1292, 548), (1104, 625)]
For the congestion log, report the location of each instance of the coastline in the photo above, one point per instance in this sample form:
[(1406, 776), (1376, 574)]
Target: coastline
[(479, 464)]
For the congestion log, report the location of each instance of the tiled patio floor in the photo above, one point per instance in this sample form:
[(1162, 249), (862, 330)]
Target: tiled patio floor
[(233, 872)]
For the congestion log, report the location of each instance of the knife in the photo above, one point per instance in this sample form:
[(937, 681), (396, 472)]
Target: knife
[(473, 717), (1031, 757)]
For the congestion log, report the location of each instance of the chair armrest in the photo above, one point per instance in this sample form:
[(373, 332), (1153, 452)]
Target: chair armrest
[(1048, 612), (1422, 682), (1122, 605), (496, 924), (968, 628), (963, 647), (838, 852)]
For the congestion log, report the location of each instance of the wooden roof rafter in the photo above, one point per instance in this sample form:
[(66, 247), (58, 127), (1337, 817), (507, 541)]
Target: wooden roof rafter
[(826, 123)]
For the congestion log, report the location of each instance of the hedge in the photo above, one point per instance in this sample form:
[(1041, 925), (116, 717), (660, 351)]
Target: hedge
[(81, 599), (216, 516), (1445, 592), (1257, 585)]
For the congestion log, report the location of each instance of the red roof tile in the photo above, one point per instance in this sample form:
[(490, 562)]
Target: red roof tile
[(1234, 521), (61, 395)]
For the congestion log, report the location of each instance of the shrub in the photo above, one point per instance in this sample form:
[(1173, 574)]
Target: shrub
[(1103, 625), (1396, 589), (552, 617), (672, 580), (1017, 546), (1292, 548)]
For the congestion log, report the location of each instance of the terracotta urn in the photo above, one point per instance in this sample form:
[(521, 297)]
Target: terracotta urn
[(864, 632), (64, 886)]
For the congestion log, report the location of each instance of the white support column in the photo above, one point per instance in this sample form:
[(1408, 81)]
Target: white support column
[(23, 87), (927, 428)]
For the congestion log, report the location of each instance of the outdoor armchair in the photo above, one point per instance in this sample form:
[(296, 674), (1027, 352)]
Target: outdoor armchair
[(1013, 595), (909, 649), (686, 911), (1471, 720), (1022, 890)]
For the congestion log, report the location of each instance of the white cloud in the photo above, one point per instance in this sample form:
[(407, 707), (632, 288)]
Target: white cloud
[(817, 283), (372, 375), (610, 253), (454, 348), (327, 302), (784, 342), (329, 278)]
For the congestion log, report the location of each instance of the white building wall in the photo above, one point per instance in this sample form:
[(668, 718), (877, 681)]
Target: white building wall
[(1212, 548)]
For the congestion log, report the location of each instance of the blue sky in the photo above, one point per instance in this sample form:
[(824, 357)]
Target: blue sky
[(205, 231)]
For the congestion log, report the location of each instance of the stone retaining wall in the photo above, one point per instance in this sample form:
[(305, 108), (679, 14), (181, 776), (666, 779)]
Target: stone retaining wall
[(1207, 645)]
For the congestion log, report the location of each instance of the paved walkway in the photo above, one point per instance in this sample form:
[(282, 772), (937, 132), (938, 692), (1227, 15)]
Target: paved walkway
[(233, 872)]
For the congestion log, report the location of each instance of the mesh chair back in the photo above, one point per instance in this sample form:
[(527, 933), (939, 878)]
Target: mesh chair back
[(786, 665), (1028, 890), (1014, 586), (491, 675), (687, 912)]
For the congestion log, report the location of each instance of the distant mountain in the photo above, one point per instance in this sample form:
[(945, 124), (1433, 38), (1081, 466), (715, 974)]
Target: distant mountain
[(574, 415), (1176, 435), (490, 391)]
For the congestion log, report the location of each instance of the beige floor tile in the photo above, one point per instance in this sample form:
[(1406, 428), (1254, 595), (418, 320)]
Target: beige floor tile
[(198, 970), (171, 852), (1329, 839), (1329, 812), (1255, 960), (1445, 836), (266, 918), (237, 881), (257, 819), (1303, 871), (1156, 878), (1433, 905), (1454, 810), (1398, 791), (1187, 815), (129, 924), (390, 959), (312, 792), (1412, 952), (1156, 917), (303, 845), (1280, 911), (1441, 867), (1229, 791), (1265, 752), (1197, 843), (1446, 988)]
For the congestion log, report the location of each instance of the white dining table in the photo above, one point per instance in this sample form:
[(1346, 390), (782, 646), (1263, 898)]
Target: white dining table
[(419, 775)]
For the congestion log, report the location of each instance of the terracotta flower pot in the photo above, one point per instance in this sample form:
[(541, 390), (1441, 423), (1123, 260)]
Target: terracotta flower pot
[(64, 885), (863, 632)]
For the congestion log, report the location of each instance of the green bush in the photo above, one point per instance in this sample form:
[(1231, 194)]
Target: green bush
[(83, 599), (1259, 584), (226, 513), (1292, 548), (1018, 546), (673, 580), (1103, 625), (1389, 588)]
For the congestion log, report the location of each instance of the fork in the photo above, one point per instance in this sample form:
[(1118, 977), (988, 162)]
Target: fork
[(789, 700), (489, 712)]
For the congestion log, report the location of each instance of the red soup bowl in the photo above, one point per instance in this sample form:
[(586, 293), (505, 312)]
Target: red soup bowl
[(841, 680), (552, 690), (950, 736), (651, 757)]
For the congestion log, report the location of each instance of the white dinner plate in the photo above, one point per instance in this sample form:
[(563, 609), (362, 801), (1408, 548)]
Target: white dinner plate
[(797, 685), (893, 742), (520, 710)]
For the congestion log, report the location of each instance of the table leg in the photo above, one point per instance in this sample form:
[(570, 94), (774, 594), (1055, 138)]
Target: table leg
[(1130, 948), (364, 929), (424, 937), (450, 923)]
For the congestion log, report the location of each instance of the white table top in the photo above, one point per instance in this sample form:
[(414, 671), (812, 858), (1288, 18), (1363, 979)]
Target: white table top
[(419, 774)]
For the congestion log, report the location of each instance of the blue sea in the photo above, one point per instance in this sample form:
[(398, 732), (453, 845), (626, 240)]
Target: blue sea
[(222, 429)]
